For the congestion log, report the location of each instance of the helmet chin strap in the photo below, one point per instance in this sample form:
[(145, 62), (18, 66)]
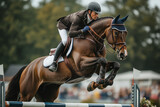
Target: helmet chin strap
[(90, 15)]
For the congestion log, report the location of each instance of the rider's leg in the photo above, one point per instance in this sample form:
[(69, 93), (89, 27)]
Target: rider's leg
[(60, 48)]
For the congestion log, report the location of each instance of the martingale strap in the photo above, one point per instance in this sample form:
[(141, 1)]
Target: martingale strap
[(95, 37), (95, 33)]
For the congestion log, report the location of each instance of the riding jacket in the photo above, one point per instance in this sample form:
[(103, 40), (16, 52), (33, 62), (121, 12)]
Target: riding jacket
[(74, 23)]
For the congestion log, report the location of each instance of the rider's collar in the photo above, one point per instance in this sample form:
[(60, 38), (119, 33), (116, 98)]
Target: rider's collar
[(88, 19)]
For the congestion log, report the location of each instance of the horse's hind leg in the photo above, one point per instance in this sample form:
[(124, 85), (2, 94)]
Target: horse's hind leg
[(29, 84), (47, 92), (28, 91)]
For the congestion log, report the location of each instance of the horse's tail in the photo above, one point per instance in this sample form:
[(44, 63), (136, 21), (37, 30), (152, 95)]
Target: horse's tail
[(13, 87)]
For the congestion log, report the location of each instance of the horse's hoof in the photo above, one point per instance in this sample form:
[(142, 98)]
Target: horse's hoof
[(101, 86), (91, 86)]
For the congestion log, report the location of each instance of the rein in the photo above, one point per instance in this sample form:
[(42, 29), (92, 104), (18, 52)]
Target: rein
[(95, 39), (97, 35), (100, 37), (100, 40)]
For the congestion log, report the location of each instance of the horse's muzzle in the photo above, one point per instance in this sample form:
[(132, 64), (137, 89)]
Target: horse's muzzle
[(122, 55)]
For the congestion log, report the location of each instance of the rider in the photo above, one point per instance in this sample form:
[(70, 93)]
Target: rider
[(73, 25)]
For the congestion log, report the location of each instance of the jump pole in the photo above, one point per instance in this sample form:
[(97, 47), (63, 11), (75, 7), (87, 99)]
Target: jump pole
[(2, 87), (47, 104)]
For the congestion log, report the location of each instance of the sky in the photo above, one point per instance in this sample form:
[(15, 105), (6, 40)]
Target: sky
[(152, 3)]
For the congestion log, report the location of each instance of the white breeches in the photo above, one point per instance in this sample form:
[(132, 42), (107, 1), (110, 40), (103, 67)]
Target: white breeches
[(63, 33)]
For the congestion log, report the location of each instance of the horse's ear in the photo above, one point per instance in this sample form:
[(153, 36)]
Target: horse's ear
[(124, 19), (116, 19)]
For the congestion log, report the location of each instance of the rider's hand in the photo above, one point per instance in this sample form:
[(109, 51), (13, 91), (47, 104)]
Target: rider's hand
[(86, 28)]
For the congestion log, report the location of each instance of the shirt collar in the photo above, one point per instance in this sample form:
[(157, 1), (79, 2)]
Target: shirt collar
[(88, 19)]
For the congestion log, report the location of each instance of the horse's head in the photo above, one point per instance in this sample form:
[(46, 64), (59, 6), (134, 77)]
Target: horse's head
[(116, 37), (114, 31)]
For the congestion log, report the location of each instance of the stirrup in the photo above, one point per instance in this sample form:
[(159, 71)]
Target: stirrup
[(53, 67)]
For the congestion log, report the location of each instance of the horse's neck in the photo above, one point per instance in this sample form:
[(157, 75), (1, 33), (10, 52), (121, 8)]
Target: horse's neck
[(101, 25)]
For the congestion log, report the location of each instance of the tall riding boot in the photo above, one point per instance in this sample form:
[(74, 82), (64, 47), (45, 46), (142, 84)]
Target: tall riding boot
[(59, 50)]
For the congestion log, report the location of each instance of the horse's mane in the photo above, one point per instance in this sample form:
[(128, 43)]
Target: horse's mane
[(94, 21)]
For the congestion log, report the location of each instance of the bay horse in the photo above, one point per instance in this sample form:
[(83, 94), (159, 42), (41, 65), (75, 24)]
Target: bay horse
[(87, 57)]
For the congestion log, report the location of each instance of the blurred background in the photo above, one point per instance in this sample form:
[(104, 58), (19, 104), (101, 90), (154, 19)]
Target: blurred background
[(28, 30)]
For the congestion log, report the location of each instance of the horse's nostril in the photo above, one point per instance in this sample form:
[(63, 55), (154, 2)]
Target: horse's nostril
[(121, 55)]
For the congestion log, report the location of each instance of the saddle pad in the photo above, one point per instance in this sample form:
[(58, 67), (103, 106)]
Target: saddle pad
[(49, 60)]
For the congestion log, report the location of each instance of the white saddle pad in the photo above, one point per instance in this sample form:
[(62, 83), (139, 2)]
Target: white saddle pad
[(49, 59)]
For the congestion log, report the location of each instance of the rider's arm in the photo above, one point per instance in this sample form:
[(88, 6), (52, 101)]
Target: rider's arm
[(74, 29), (75, 33)]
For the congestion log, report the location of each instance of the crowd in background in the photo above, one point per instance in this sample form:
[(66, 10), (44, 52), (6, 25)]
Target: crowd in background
[(108, 94), (151, 93), (80, 93)]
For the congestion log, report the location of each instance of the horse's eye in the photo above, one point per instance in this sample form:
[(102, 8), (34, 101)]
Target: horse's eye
[(116, 33)]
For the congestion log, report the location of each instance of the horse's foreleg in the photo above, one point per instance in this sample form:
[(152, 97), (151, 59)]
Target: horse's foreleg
[(93, 61), (101, 76), (109, 80)]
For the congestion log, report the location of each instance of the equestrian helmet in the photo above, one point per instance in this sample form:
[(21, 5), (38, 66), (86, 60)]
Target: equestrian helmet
[(94, 6)]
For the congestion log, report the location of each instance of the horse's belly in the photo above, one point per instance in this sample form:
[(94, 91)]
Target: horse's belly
[(76, 80)]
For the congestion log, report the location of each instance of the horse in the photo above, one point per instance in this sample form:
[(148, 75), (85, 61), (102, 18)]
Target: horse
[(86, 58)]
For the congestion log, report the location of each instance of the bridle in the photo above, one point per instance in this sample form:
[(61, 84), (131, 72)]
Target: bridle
[(117, 43), (100, 38)]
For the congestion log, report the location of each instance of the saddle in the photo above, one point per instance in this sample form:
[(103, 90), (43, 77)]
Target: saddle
[(67, 50), (53, 50)]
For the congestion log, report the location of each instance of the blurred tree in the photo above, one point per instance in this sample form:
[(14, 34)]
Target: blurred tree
[(13, 17), (143, 39), (27, 32), (43, 34)]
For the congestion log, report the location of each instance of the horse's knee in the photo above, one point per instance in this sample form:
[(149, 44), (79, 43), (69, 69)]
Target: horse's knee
[(102, 61), (116, 65)]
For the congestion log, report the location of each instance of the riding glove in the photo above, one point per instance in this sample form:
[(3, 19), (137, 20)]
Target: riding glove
[(86, 28)]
